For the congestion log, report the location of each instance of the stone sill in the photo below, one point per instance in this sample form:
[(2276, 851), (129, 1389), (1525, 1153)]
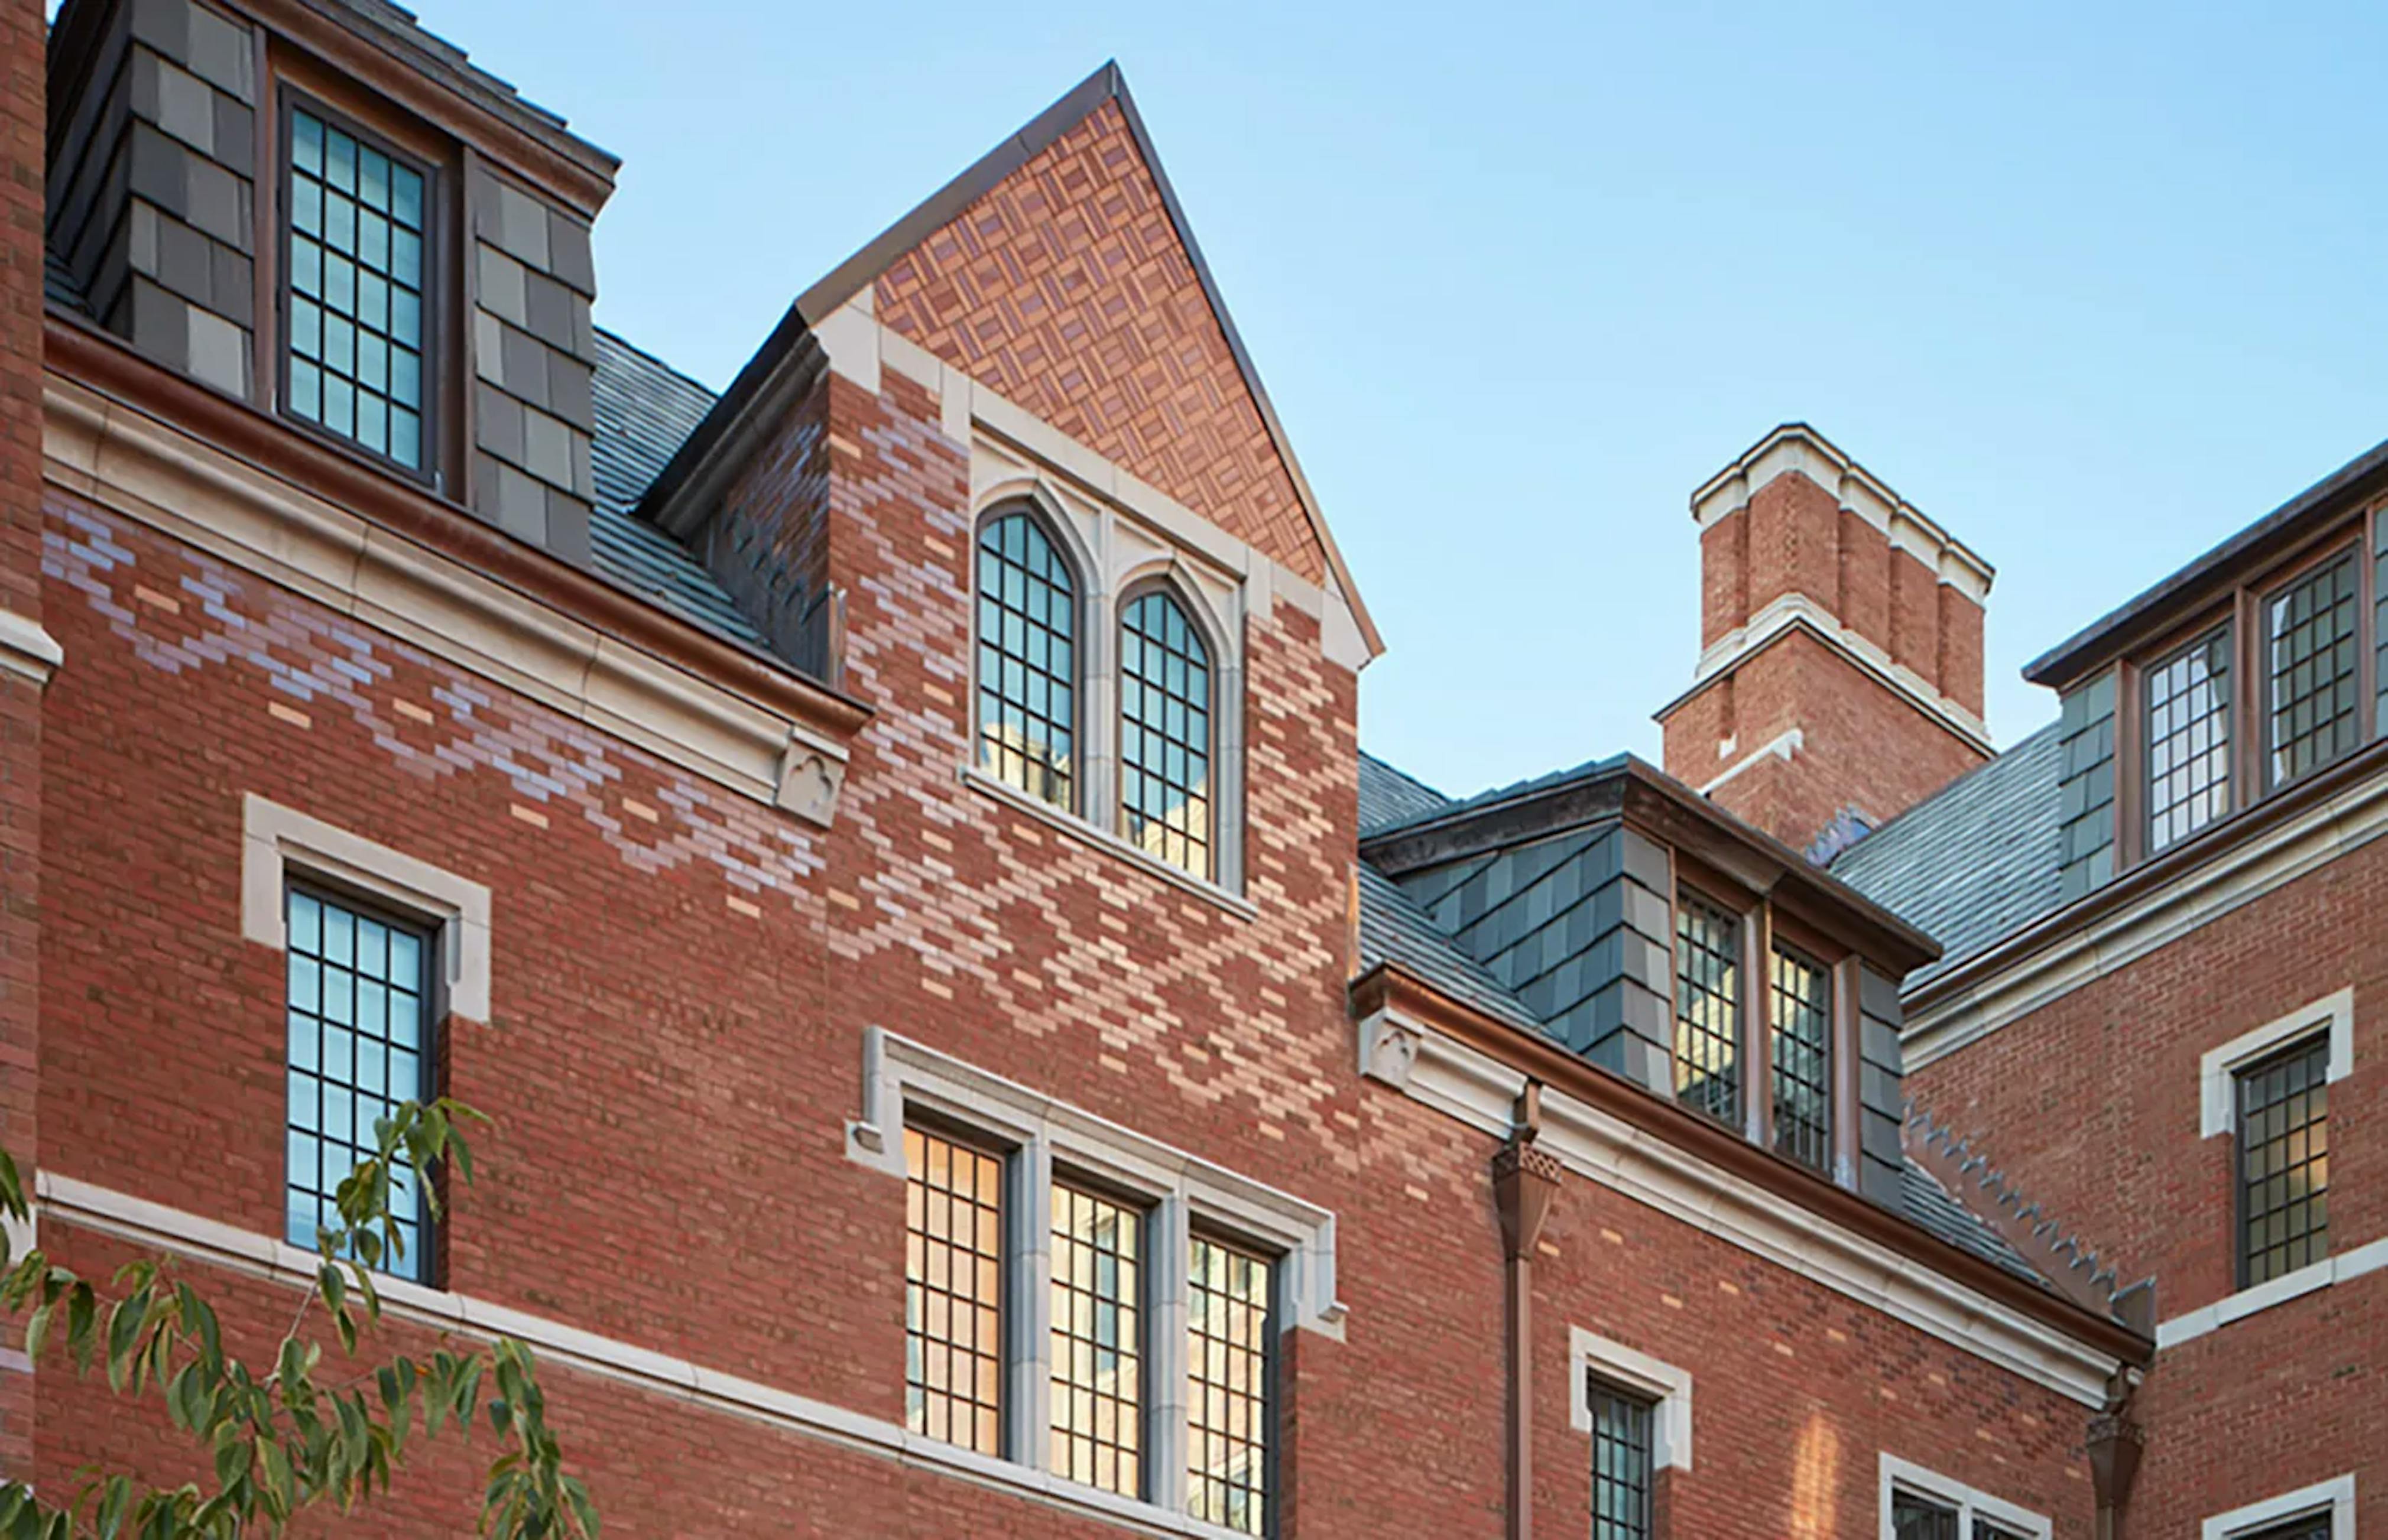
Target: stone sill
[(1102, 839), (2343, 1268)]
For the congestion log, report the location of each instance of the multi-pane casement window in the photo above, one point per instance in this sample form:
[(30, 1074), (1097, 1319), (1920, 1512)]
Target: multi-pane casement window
[(1092, 1303), (1623, 1471), (357, 315), (1027, 694), (1708, 1007), (953, 1291), (1098, 1406), (1164, 732), (1106, 698), (2312, 706), (360, 1019), (1230, 1443), (2313, 1526), (2188, 746), (1916, 1516), (2284, 1119), (1803, 1059)]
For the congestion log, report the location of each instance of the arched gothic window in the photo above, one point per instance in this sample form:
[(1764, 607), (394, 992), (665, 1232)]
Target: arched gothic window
[(1165, 743), (1027, 659)]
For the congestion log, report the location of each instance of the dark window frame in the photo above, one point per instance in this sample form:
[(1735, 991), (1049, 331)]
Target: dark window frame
[(2242, 1215), (1638, 1442), (1066, 555), (1736, 957), (1824, 1051), (1213, 802), (291, 99), (430, 930), (2224, 631), (2347, 550), (1271, 1398)]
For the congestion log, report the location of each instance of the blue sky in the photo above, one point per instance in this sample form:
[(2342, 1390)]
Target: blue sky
[(2092, 291)]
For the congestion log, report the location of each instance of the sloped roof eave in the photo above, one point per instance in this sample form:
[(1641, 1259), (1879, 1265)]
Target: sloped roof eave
[(850, 277)]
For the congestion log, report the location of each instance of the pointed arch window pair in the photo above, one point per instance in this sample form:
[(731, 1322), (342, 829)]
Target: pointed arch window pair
[(1027, 702)]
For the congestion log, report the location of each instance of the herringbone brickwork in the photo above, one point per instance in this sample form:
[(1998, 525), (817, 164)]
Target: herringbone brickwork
[(1067, 290)]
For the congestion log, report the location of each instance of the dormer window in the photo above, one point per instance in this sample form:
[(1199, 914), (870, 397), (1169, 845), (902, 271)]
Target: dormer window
[(2188, 739), (357, 323), (1027, 659), (1164, 732), (2309, 630), (1707, 1009)]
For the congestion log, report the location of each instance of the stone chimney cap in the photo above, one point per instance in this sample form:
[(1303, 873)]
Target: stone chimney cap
[(1797, 447)]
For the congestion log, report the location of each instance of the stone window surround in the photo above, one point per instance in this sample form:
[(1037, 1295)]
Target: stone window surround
[(1900, 1475), (277, 840), (1591, 1356), (2335, 1497), (1183, 1192), (2217, 1068), (1109, 558)]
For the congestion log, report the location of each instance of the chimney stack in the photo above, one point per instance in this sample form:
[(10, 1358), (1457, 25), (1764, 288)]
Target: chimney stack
[(1839, 680)]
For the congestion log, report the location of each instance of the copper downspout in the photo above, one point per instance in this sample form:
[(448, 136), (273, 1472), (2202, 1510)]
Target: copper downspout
[(2115, 1444), (1525, 1180)]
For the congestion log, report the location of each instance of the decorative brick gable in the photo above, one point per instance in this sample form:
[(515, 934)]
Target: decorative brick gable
[(1067, 290)]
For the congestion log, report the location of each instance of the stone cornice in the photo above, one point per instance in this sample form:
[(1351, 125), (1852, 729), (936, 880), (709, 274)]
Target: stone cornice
[(1796, 447), (250, 491), (1419, 1041)]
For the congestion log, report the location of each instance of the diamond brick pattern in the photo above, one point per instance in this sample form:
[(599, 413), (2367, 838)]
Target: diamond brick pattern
[(1067, 290)]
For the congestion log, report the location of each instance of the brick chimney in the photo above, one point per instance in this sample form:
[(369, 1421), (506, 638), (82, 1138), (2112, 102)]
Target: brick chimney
[(1841, 673)]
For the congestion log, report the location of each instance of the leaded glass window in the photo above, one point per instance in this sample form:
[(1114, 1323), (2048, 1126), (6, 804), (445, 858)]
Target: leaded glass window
[(1027, 660), (358, 323), (2311, 632), (1803, 1051), (1230, 1326), (359, 1043), (1622, 1472), (2310, 1526), (1164, 747), (953, 1292), (1916, 1518), (1097, 1405), (2188, 739), (2284, 1162), (1707, 1009)]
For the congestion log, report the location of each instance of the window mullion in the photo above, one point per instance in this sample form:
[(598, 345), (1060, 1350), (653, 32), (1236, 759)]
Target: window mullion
[(1028, 1435), (1165, 1383)]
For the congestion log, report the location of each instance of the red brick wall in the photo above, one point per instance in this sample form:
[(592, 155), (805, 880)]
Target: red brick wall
[(680, 985), (2090, 1105), (1868, 746), (22, 160), (1067, 290), (1862, 745), (1797, 1392)]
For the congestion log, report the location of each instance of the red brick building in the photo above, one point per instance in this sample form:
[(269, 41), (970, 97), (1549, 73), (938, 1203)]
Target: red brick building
[(977, 1047)]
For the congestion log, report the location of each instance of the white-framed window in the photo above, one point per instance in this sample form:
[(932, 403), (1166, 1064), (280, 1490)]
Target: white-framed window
[(1107, 681), (1084, 1299), (1920, 1504), (2332, 1016), (2322, 1512), (280, 844), (1637, 1412), (379, 948)]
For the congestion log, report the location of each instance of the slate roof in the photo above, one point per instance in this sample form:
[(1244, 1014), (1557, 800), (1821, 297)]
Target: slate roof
[(1974, 862), (644, 410), (1395, 929), (1418, 811), (1934, 1208), (1389, 796)]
